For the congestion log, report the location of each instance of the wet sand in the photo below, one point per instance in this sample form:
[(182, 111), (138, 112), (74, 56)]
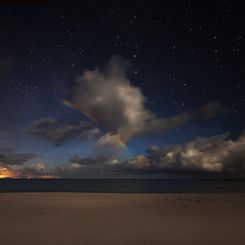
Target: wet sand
[(100, 218)]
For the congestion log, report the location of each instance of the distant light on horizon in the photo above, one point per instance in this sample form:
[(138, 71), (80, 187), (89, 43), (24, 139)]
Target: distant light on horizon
[(6, 173)]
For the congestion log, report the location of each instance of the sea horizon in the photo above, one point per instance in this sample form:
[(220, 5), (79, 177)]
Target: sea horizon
[(126, 185)]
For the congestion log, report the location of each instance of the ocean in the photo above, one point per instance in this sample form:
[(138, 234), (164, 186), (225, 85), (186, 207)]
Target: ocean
[(124, 185)]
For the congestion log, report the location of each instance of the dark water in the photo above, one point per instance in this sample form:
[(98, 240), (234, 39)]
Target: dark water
[(123, 185)]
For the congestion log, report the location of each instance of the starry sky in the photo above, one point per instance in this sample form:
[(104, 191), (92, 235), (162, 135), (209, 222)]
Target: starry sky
[(121, 88)]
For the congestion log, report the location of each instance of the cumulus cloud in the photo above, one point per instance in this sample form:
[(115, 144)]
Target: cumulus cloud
[(218, 153), (37, 170), (57, 132), (110, 99)]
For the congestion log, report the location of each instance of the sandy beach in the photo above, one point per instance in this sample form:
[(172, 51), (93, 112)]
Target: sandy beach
[(100, 218)]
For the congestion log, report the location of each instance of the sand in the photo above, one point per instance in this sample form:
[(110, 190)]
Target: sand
[(96, 218)]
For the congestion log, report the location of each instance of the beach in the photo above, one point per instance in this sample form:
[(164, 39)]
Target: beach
[(106, 218)]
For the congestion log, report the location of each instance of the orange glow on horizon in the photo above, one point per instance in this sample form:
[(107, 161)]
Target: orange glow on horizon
[(6, 173), (48, 177), (42, 177)]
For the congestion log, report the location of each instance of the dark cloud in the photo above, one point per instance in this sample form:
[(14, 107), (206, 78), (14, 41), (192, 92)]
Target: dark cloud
[(108, 97), (10, 157), (77, 167), (57, 133), (206, 112), (88, 161), (84, 167), (45, 123)]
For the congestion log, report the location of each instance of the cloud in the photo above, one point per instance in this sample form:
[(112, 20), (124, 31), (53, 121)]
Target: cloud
[(87, 161), (45, 123), (37, 170), (10, 157), (108, 98), (11, 161), (15, 164), (43, 170), (76, 167), (218, 153), (205, 112), (57, 133)]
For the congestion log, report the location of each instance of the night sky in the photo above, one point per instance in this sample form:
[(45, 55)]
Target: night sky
[(122, 88)]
